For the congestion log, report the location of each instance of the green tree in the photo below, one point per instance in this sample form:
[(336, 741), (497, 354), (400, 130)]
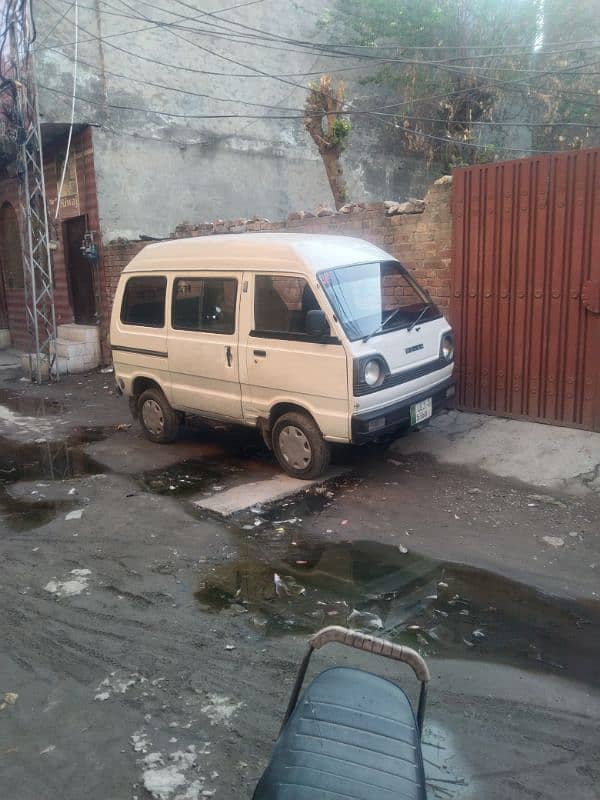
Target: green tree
[(463, 76)]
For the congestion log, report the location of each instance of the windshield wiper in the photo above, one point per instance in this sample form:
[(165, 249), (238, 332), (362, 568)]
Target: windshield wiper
[(382, 325), (419, 316)]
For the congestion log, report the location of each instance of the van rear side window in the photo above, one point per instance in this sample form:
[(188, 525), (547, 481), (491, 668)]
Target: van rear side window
[(144, 302)]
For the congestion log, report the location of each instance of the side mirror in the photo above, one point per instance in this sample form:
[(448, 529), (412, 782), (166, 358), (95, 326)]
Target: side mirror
[(317, 326)]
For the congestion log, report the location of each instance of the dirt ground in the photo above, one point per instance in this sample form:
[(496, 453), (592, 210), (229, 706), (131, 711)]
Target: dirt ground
[(149, 647)]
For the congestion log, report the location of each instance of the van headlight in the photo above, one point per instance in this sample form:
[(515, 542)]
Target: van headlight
[(372, 372), (369, 374), (447, 347)]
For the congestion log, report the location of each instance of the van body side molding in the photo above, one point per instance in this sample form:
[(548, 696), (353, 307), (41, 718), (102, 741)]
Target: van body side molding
[(142, 351)]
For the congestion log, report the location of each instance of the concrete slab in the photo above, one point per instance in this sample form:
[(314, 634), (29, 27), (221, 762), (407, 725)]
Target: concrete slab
[(255, 493), (561, 459), (128, 452), (10, 359)]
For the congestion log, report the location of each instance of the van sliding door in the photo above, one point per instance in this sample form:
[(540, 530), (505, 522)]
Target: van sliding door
[(203, 344)]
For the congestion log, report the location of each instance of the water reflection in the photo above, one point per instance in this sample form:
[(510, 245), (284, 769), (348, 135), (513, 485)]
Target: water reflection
[(41, 461), (442, 609)]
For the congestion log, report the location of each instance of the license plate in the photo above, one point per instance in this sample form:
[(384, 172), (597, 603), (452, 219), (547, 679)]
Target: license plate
[(419, 412)]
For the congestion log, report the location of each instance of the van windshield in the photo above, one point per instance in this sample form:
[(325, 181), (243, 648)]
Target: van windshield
[(374, 298)]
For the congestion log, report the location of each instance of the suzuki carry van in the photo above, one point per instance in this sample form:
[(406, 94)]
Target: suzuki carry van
[(311, 339)]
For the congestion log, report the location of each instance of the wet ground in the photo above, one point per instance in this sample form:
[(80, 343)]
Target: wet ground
[(149, 647), (13, 401), (443, 610)]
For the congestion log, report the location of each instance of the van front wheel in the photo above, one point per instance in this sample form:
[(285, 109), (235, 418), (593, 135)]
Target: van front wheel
[(160, 422), (299, 446)]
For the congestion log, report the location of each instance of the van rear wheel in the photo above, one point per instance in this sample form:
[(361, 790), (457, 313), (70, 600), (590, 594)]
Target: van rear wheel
[(160, 422), (299, 446)]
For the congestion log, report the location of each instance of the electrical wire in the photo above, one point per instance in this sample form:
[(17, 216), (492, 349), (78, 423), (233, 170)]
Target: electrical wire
[(177, 115), (278, 37), (449, 140), (55, 26), (316, 49), (14, 13), (376, 46), (320, 47), (439, 64), (93, 37), (491, 123), (299, 113), (179, 90), (255, 70), (64, 169), (150, 60), (299, 116), (340, 9), (9, 20), (261, 73), (313, 48), (33, 26)]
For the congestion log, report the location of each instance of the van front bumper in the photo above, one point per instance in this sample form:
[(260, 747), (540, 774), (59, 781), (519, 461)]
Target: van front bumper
[(395, 418)]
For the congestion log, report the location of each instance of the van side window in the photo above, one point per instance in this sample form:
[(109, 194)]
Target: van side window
[(281, 304), (144, 302), (204, 304)]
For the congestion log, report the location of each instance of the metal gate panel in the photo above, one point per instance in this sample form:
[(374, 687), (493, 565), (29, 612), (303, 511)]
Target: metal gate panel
[(526, 288)]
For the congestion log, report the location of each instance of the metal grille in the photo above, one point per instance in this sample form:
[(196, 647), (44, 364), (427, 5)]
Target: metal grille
[(526, 288), (398, 378), (37, 265)]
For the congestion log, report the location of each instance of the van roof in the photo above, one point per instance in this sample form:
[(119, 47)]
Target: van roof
[(265, 251)]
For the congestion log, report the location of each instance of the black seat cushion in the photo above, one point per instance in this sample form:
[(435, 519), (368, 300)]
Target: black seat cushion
[(352, 735)]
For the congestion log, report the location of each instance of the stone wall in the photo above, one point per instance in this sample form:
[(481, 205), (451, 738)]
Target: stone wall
[(417, 233)]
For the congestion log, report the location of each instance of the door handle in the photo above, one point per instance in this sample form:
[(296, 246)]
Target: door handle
[(228, 355), (260, 353)]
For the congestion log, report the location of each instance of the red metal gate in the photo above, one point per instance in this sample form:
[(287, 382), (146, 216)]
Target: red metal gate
[(526, 288)]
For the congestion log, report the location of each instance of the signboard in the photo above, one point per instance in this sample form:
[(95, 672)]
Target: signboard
[(69, 198)]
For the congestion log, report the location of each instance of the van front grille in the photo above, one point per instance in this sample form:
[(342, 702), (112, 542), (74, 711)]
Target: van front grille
[(405, 376)]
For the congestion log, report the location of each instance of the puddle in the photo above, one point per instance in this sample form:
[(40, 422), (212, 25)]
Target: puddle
[(186, 477), (443, 610), (19, 515), (278, 515), (29, 406), (43, 461), (209, 475), (47, 460), (285, 515)]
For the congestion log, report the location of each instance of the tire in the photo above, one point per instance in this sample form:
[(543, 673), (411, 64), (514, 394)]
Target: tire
[(299, 446), (159, 421)]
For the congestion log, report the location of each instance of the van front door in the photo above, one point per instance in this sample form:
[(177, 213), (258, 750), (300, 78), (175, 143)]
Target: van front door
[(282, 363), (203, 345)]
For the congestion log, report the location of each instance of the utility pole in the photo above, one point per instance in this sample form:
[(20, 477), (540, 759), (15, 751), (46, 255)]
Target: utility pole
[(37, 263)]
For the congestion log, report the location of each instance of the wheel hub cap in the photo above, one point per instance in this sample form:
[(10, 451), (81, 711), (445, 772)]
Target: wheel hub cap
[(153, 417), (295, 447)]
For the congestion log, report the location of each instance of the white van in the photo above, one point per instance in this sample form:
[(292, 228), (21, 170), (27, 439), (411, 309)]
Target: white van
[(312, 339)]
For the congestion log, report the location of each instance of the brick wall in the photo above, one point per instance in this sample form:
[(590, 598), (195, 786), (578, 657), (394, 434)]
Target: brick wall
[(419, 240), (83, 155), (14, 299), (115, 257)]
